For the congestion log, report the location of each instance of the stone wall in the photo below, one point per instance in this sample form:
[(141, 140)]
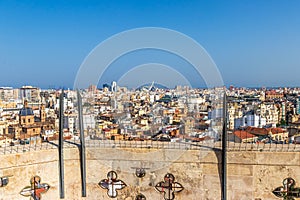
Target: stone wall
[(251, 175)]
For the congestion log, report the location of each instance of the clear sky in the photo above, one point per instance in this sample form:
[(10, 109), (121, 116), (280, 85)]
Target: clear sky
[(253, 42)]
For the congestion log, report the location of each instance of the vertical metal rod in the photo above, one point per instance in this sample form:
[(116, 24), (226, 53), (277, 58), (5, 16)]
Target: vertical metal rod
[(60, 145), (82, 146), (224, 149)]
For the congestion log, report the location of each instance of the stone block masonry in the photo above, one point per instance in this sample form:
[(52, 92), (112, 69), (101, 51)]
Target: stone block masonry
[(251, 174)]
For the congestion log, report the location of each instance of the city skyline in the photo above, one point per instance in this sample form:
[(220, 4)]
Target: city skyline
[(253, 43)]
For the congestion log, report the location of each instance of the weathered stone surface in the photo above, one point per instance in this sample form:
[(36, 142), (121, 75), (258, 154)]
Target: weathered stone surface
[(242, 157), (210, 169), (211, 187), (240, 170), (267, 178), (238, 195), (7, 161), (277, 158), (209, 156), (240, 183), (251, 175)]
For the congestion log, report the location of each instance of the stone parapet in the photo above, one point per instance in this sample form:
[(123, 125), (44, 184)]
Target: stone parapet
[(251, 174)]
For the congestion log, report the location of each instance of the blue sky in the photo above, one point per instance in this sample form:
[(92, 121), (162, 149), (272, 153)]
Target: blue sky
[(253, 42)]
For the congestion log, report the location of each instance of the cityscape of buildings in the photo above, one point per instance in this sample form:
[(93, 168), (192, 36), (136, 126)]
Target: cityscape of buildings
[(150, 100), (31, 115)]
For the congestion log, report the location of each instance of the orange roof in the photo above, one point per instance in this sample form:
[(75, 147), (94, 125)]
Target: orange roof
[(263, 131), (258, 131), (273, 92), (243, 134), (277, 130)]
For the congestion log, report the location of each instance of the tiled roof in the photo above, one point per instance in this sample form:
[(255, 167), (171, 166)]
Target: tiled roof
[(251, 132), (257, 131), (26, 112), (264, 131), (243, 134)]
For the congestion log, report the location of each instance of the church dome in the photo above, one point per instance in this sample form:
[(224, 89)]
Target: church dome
[(26, 112)]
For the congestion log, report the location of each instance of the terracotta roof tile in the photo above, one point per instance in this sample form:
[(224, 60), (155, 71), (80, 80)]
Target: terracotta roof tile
[(243, 134)]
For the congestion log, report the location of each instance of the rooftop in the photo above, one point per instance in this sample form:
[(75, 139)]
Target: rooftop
[(26, 112)]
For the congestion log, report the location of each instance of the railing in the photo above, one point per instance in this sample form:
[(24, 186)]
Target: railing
[(272, 147), (148, 144)]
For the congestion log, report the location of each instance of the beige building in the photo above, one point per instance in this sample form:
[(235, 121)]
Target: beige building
[(270, 112), (32, 94), (8, 94), (234, 112)]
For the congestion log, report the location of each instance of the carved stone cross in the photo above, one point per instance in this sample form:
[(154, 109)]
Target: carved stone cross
[(112, 184), (288, 191), (35, 189), (169, 187)]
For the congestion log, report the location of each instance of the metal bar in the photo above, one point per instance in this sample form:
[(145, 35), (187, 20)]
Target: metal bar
[(82, 146), (224, 149), (60, 145)]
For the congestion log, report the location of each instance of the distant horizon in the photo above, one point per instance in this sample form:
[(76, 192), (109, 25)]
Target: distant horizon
[(162, 87)]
